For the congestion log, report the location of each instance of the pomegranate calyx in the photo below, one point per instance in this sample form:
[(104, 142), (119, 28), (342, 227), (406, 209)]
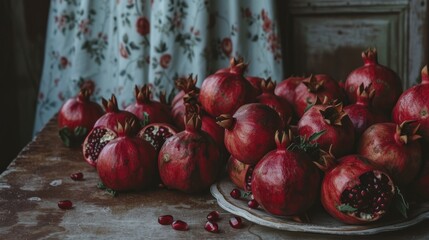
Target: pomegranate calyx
[(282, 139), (143, 95), (268, 86), (193, 122), (365, 94), (407, 131), (110, 105), (125, 129), (312, 84), (84, 95), (334, 114), (424, 74), (326, 160), (226, 121), (369, 56)]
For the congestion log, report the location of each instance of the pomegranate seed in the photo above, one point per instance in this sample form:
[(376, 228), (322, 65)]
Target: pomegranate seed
[(213, 216), (76, 176), (235, 222), (253, 204), (180, 225), (235, 193), (65, 204), (165, 219), (211, 227)]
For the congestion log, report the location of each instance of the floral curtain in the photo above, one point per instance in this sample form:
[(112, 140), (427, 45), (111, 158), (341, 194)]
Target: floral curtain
[(117, 44)]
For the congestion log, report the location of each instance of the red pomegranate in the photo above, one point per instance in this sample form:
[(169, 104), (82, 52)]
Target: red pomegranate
[(420, 186), (362, 113), (189, 161), (256, 85), (95, 141), (146, 109), (127, 163), (281, 106), (313, 87), (76, 118), (386, 82), (413, 104), (179, 109), (225, 92), (337, 126), (240, 173), (393, 148), (286, 88), (113, 116), (285, 182), (356, 192), (249, 133)]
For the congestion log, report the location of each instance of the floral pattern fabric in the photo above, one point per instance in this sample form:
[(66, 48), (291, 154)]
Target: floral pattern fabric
[(117, 44)]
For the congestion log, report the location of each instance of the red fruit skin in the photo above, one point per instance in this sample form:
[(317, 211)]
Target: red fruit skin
[(239, 173), (344, 175), (79, 112), (341, 137), (303, 97), (286, 88), (413, 104), (363, 116), (285, 183), (255, 82), (386, 82), (110, 120), (209, 125), (421, 184), (225, 92), (189, 161), (401, 161), (281, 106), (252, 134), (156, 111), (128, 163)]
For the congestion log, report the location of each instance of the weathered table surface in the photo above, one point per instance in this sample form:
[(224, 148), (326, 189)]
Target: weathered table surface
[(39, 177)]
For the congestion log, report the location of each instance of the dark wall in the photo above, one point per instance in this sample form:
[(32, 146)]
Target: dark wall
[(22, 37)]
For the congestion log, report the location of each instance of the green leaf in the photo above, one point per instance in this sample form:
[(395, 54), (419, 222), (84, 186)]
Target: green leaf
[(80, 131), (316, 135), (400, 203), (346, 208), (66, 135), (146, 119), (309, 105), (112, 192)]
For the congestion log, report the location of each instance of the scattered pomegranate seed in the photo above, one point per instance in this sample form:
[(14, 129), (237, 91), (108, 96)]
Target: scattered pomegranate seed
[(235, 193), (165, 219), (235, 222), (211, 227), (76, 176), (180, 225), (65, 204), (253, 204), (213, 216)]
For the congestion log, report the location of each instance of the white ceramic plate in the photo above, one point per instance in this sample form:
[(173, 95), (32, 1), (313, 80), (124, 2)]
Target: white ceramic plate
[(321, 222)]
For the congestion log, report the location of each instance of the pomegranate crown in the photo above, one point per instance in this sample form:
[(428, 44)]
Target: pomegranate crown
[(407, 131), (191, 97), (110, 105), (424, 74), (226, 121), (84, 94), (237, 66), (365, 94), (312, 84), (127, 128), (193, 120), (144, 94), (268, 85), (334, 114), (187, 84), (326, 160), (369, 56), (282, 139)]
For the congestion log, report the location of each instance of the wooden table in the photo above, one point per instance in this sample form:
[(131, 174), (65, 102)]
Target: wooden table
[(39, 177)]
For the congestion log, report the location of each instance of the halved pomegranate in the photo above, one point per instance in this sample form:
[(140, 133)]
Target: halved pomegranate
[(157, 133)]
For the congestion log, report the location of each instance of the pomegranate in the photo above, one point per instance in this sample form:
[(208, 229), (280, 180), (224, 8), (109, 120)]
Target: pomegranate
[(356, 192), (240, 173), (225, 92), (96, 140), (286, 88), (65, 204), (77, 176), (185, 85), (339, 130), (236, 222), (213, 216), (256, 85), (211, 227), (386, 82), (165, 219), (249, 133), (76, 118), (420, 185), (393, 148), (314, 87), (362, 113), (413, 104), (156, 134), (285, 182), (253, 204), (189, 161), (235, 193), (113, 116), (145, 108), (281, 106), (127, 162), (180, 225)]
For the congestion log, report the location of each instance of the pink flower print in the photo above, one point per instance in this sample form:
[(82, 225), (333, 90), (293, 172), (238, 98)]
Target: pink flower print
[(226, 46), (64, 62), (123, 51), (165, 60), (61, 96), (266, 26), (247, 13), (87, 84), (83, 26), (41, 96), (143, 26), (56, 81)]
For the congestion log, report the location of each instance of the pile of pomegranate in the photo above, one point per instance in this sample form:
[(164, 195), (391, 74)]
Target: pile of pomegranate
[(289, 147)]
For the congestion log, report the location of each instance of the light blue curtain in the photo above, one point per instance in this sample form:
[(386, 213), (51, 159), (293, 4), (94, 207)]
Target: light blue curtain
[(117, 44)]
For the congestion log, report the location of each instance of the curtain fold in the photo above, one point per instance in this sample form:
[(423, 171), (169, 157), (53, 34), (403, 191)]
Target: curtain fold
[(116, 45)]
